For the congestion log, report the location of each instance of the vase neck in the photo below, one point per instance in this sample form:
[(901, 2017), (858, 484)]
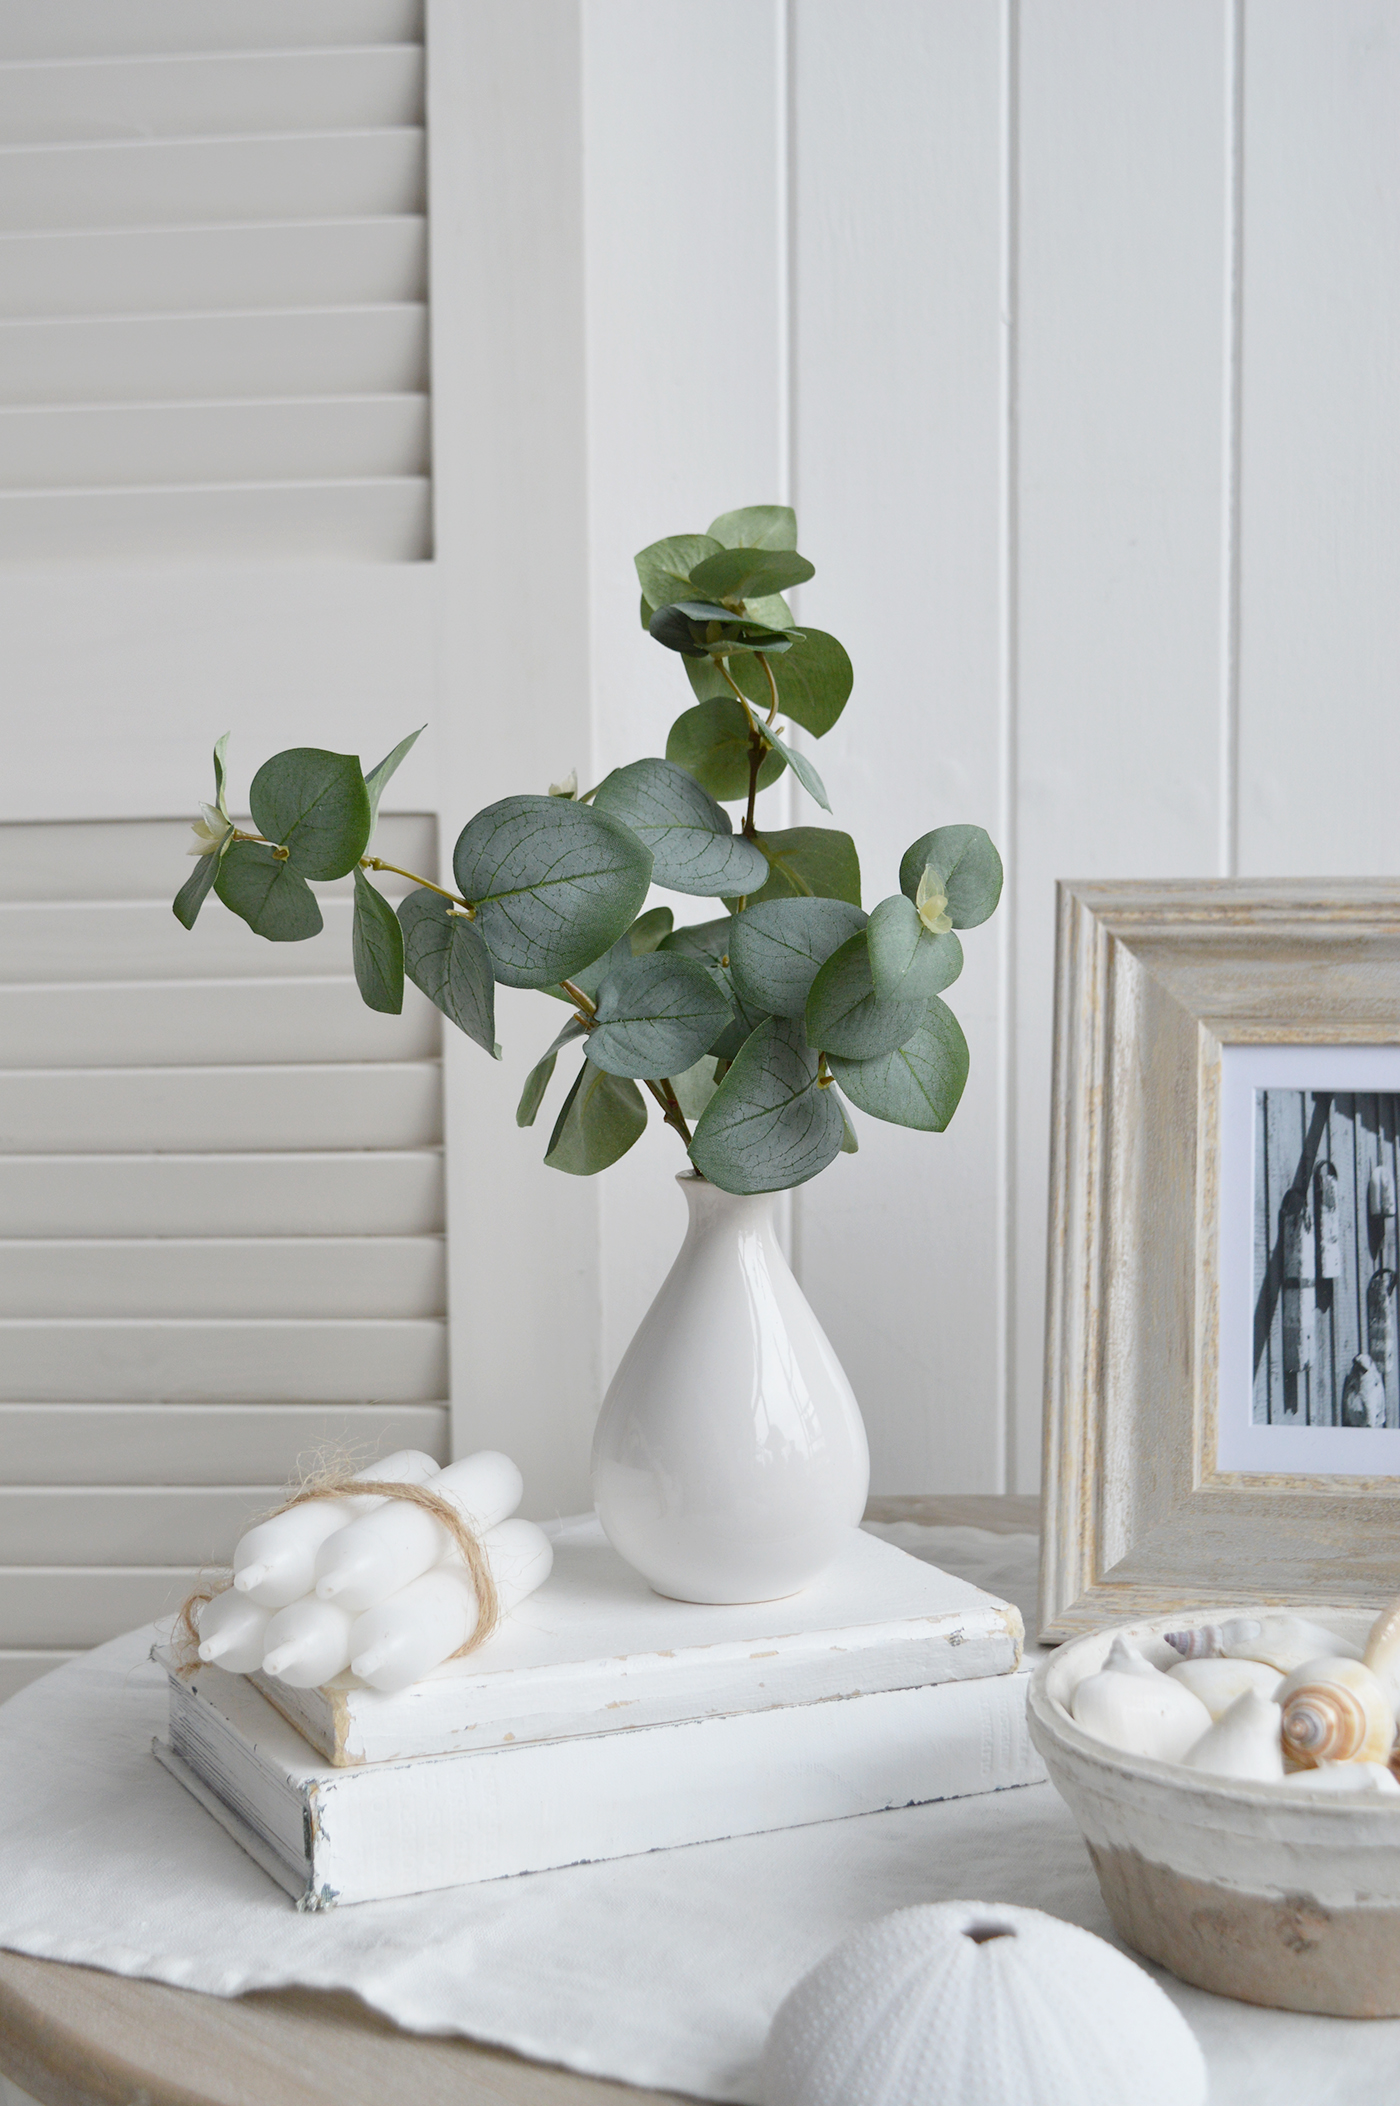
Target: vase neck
[(712, 1208)]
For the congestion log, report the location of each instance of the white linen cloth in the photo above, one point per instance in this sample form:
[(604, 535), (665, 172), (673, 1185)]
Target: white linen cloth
[(662, 1970)]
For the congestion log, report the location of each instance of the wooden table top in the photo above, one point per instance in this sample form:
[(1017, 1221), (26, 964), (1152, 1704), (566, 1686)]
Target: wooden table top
[(73, 2036)]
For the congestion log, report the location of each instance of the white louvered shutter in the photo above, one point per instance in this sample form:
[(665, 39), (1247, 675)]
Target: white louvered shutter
[(213, 281), (221, 1208)]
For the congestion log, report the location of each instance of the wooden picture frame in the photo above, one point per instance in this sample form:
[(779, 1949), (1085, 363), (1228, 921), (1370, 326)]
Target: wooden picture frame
[(1156, 982)]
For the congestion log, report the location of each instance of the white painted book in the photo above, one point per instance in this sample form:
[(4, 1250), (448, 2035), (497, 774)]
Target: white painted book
[(603, 1721)]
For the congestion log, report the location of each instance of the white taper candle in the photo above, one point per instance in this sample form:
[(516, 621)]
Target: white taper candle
[(275, 1562), (364, 1563)]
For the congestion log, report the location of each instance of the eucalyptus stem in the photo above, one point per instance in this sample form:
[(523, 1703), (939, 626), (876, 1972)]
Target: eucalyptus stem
[(757, 749), (664, 1092), (772, 684), (588, 1007), (377, 863)]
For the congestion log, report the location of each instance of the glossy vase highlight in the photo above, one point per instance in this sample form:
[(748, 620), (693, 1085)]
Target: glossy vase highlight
[(730, 1462)]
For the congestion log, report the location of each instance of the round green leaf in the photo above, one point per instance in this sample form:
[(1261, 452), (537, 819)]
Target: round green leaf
[(775, 949), (316, 805), (744, 1017), (920, 1083), (268, 894), (757, 526), (445, 955), (844, 1015), (814, 678), (655, 1016), (968, 868), (648, 930), (809, 862), (769, 1125), (748, 573), (554, 884), (538, 1079), (893, 938), (691, 838), (378, 776), (602, 1116), (692, 626), (663, 570), (377, 945), (711, 742), (800, 765), (192, 894), (700, 939)]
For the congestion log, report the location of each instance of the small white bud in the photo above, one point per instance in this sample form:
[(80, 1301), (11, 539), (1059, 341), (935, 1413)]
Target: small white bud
[(931, 903), (210, 831), (568, 787)]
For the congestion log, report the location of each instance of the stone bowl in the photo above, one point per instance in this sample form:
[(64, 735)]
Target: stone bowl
[(1264, 1892)]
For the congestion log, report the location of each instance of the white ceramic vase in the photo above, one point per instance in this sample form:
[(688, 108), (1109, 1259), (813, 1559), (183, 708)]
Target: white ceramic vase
[(729, 1463)]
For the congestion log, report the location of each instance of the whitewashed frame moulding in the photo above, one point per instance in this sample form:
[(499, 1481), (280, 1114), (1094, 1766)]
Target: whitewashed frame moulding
[(1159, 985)]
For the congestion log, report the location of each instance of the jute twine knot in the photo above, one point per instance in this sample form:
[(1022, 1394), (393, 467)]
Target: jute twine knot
[(341, 1485)]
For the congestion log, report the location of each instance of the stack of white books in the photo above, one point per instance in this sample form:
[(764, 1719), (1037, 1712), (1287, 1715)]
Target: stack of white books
[(603, 1720)]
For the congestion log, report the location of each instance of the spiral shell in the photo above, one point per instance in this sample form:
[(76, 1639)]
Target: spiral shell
[(1206, 1642), (1336, 1710)]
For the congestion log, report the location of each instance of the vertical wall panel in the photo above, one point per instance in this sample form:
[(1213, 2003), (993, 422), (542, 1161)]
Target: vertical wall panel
[(686, 418), (1122, 393), (1320, 439), (897, 331)]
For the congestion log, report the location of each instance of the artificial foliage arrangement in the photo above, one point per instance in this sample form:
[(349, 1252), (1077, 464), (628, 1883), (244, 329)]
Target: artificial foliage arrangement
[(745, 1028)]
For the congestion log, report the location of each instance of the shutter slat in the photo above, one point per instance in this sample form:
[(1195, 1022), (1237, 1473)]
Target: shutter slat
[(89, 940), (143, 859), (155, 1022), (228, 92), (188, 1360), (400, 1193), (209, 1111), (307, 1276), (203, 358), (159, 183), (171, 270), (205, 1444), (48, 1606), (156, 1525), (307, 441), (348, 522), (80, 29)]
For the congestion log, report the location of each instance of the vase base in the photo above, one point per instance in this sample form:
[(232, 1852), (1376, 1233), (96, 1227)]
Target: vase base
[(729, 1601)]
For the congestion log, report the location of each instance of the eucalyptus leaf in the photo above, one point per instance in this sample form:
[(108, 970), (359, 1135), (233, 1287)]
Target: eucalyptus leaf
[(220, 772), (379, 775), (749, 573), (538, 1079), (845, 1015), (800, 765), (602, 1116), (663, 570), (694, 1087), (850, 1145), (770, 1124), (692, 626), (776, 949), (756, 526), (706, 679), (814, 679), (445, 954), (649, 929), (809, 862), (744, 1018), (654, 1015), (711, 742), (196, 889), (267, 893), (967, 866), (554, 884), (647, 933), (315, 805), (700, 939), (377, 946), (691, 838), (920, 1083), (647, 612), (893, 938)]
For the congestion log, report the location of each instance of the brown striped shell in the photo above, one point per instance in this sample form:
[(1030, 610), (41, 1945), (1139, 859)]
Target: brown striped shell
[(1206, 1642), (1336, 1710)]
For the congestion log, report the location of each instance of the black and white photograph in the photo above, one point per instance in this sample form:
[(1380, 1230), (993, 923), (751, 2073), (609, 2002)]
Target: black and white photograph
[(1325, 1266)]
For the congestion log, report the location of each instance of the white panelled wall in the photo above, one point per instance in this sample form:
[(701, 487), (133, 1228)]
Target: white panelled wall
[(1069, 327)]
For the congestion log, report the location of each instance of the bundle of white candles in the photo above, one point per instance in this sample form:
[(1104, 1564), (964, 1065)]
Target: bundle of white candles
[(373, 1583)]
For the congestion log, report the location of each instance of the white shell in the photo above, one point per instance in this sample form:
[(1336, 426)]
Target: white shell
[(1246, 1742), (1218, 1682), (1143, 1714), (1284, 1641), (1346, 1777), (1382, 1654), (969, 2003), (1125, 1659)]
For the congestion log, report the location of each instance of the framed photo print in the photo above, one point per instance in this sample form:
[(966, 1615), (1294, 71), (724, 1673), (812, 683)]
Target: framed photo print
[(1222, 1367)]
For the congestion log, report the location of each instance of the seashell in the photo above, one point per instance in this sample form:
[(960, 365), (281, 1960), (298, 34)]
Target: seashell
[(1347, 1777), (1206, 1642), (1284, 1641), (969, 2003), (1143, 1714), (1336, 1710), (1245, 1742), (1125, 1659), (1218, 1682), (1382, 1654)]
